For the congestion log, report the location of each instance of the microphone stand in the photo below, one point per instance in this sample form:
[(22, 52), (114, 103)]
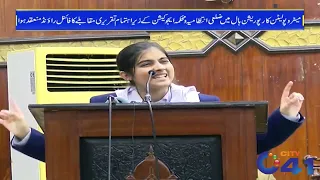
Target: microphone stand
[(148, 100), (110, 134), (147, 97)]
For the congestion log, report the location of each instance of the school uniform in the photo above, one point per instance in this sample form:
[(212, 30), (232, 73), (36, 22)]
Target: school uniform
[(280, 127)]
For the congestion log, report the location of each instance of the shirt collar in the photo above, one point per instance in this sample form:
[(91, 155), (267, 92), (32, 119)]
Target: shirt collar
[(133, 95)]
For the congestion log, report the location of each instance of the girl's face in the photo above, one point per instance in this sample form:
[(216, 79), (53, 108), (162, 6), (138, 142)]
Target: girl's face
[(153, 59)]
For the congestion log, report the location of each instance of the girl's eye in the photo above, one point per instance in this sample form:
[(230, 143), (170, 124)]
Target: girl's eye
[(145, 64), (164, 61)]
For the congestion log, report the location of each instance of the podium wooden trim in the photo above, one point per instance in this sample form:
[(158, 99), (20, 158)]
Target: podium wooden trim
[(236, 122)]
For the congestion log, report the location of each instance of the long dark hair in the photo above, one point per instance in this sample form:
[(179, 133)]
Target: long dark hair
[(128, 57)]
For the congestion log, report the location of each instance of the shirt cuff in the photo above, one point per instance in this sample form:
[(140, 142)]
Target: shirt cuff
[(290, 118), (17, 142)]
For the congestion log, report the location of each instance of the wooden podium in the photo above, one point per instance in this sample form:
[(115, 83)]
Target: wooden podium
[(194, 140)]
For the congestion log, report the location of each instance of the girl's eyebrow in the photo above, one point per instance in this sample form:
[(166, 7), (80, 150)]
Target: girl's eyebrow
[(151, 59), (143, 61)]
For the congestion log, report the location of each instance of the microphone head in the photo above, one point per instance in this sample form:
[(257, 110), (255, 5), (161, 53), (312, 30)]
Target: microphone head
[(117, 100), (152, 72)]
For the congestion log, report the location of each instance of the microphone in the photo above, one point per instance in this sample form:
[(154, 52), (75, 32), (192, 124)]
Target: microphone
[(148, 96), (110, 100), (148, 100), (117, 100)]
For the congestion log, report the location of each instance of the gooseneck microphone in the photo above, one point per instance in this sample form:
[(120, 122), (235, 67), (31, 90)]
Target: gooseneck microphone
[(148, 100), (147, 97), (112, 100)]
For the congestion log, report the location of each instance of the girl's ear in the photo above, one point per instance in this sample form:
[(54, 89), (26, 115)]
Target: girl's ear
[(125, 76)]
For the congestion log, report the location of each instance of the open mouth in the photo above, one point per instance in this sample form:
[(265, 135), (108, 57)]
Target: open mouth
[(158, 76)]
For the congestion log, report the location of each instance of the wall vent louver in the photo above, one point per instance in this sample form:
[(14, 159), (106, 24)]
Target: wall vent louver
[(83, 72)]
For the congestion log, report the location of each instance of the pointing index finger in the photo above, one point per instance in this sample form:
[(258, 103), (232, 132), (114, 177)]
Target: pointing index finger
[(286, 90), (14, 107)]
